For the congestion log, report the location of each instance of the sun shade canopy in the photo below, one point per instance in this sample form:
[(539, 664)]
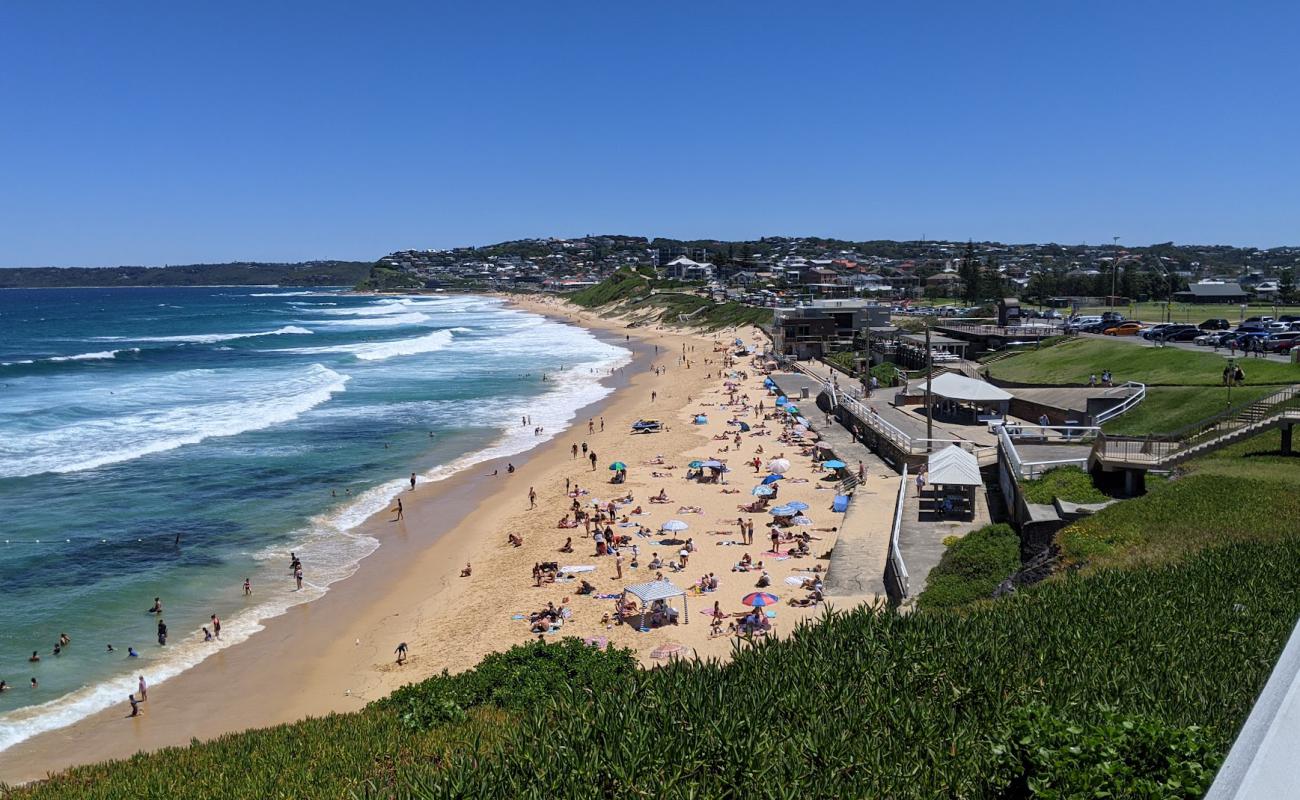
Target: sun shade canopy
[(654, 590)]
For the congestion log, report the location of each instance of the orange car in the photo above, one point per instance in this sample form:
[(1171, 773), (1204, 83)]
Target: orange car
[(1124, 329)]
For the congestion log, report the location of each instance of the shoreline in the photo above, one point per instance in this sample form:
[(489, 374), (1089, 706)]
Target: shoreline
[(218, 695)]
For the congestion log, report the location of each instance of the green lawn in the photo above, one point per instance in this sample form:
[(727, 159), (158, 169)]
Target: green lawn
[(1260, 457), (1073, 361), (1170, 408)]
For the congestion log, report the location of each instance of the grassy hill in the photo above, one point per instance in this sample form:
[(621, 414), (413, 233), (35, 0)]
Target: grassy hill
[(638, 293), (1183, 386)]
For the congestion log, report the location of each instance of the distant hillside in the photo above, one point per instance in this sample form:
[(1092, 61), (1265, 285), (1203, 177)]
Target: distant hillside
[(243, 273)]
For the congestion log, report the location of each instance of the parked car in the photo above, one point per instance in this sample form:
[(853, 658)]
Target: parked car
[(1289, 318), (1112, 316), (1096, 327), (1079, 323), (1281, 342), (1278, 327), (1164, 329), (1243, 339), (1260, 320), (1215, 325), (1183, 334), (1213, 338), (1124, 329)]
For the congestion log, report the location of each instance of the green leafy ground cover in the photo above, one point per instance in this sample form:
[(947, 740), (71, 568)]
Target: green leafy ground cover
[(1068, 483), (1073, 361), (868, 703), (972, 567)]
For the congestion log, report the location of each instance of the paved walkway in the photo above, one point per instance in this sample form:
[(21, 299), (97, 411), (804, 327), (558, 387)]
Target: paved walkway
[(857, 568), (921, 538)]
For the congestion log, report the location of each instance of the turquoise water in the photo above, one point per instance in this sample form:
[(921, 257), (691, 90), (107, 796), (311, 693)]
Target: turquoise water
[(172, 442)]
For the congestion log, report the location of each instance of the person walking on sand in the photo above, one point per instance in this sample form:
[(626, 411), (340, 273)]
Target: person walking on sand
[(130, 698), (401, 653), (575, 449), (142, 689), (862, 472), (399, 510), (593, 460), (618, 566), (532, 497), (591, 425), (653, 395), (413, 481)]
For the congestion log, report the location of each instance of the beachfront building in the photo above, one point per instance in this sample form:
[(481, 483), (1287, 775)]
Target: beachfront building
[(686, 269), (813, 328), (1216, 292)]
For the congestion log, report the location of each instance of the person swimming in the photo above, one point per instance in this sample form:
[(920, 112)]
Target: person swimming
[(131, 653)]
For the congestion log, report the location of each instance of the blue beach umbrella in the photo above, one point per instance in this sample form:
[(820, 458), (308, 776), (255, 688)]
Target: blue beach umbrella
[(695, 464), (780, 401), (834, 464), (771, 479), (761, 491), (783, 511), (797, 505), (744, 427)]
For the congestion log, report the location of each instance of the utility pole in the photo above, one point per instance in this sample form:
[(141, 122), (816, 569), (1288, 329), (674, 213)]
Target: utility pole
[(1114, 270), (929, 408)]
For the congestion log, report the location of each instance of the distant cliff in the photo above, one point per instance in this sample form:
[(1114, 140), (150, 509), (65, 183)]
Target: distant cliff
[(245, 273)]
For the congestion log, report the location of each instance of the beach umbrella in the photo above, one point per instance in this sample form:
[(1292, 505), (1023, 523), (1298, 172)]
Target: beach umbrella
[(712, 463), (695, 464), (759, 599), (670, 650), (797, 505), (617, 465), (744, 427), (674, 525), (761, 491), (780, 401), (792, 410), (771, 479), (834, 464), (801, 520), (778, 466), (783, 511)]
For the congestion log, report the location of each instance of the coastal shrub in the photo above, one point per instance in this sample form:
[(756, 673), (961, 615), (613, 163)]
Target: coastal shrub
[(624, 284), (972, 567), (519, 678), (1070, 484), (1101, 753)]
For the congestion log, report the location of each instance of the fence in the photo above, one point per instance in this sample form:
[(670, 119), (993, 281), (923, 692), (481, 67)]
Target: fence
[(1044, 434), (1137, 393)]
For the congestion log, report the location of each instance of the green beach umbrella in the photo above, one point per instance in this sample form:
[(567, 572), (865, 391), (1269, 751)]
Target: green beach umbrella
[(695, 464), (617, 465)]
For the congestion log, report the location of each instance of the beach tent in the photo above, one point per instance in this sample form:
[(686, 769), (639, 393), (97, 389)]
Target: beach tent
[(647, 593)]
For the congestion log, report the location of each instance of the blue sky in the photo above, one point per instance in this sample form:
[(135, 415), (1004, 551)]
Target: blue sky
[(175, 132)]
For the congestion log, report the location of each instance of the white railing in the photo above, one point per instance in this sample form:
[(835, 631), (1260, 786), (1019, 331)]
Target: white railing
[(895, 554), (1137, 393), (1035, 469)]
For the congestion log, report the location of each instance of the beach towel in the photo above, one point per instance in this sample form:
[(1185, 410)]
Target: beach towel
[(605, 596), (794, 580), (770, 614), (518, 616), (840, 504), (577, 568)]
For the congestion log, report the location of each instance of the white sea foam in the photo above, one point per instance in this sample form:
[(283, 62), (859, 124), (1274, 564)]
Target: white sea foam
[(384, 321), (164, 413), (378, 351), (330, 546), (97, 356), (207, 338), (285, 294)]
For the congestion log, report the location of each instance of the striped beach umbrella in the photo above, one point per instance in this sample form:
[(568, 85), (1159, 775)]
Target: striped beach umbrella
[(783, 511), (797, 505), (761, 491), (760, 599)]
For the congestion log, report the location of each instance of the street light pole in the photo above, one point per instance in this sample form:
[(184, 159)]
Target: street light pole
[(1114, 270), (929, 372)]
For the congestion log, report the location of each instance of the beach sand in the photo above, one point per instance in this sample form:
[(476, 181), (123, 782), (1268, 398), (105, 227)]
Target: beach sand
[(336, 654)]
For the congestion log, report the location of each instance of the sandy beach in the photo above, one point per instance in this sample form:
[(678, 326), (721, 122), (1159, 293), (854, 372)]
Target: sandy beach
[(337, 653)]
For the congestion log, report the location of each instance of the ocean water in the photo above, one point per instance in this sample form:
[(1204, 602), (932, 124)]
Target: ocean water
[(245, 424)]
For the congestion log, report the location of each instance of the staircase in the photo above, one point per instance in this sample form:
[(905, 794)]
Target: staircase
[(1162, 452)]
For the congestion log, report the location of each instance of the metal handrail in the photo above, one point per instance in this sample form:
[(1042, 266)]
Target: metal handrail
[(896, 554), (1138, 393)]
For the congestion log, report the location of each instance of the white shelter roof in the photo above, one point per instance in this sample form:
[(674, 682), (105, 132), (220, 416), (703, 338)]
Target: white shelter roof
[(959, 387), (953, 466)]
